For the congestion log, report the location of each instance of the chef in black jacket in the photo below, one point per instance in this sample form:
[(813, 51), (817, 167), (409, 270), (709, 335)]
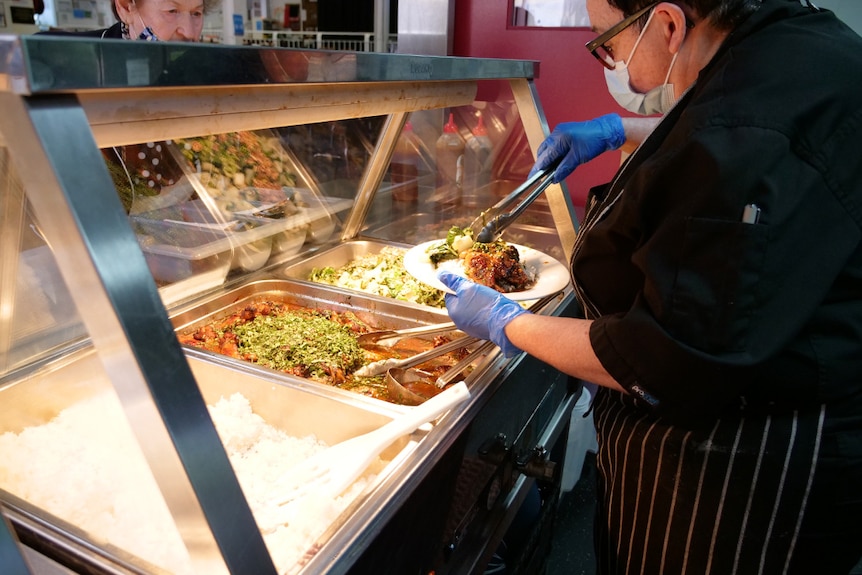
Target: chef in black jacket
[(720, 275)]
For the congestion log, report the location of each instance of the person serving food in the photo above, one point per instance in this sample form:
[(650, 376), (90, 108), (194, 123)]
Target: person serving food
[(720, 278)]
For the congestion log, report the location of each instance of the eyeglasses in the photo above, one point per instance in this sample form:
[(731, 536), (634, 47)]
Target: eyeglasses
[(598, 48)]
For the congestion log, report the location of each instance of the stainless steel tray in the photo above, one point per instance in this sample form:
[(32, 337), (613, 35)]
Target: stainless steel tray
[(40, 398), (342, 254), (376, 311), (379, 313)]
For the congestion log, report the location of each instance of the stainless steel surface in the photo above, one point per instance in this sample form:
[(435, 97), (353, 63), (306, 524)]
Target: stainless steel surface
[(30, 65), (382, 366), (54, 143), (341, 254), (383, 313), (101, 263), (381, 25), (331, 471), (335, 256), (397, 381), (293, 410), (453, 372), (426, 27)]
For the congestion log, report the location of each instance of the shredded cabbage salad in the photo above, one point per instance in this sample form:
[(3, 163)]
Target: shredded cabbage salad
[(380, 274)]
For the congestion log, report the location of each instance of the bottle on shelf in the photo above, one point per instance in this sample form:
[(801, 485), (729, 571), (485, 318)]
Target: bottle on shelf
[(404, 166), (477, 157), (450, 161)]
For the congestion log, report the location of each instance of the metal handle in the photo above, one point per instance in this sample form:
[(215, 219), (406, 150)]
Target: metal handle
[(378, 367), (492, 222), (388, 338), (499, 223), (453, 372)]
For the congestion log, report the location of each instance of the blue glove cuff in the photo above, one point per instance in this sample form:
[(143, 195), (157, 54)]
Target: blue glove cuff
[(480, 311), (574, 143), (505, 310), (615, 133)]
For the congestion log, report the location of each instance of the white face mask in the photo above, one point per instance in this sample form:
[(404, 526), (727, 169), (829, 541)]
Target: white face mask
[(656, 101)]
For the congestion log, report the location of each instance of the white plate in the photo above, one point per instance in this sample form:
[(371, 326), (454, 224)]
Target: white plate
[(551, 275)]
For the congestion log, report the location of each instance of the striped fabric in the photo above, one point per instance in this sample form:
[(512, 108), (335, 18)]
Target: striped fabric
[(727, 500)]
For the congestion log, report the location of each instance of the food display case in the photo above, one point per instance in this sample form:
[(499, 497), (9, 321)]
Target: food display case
[(150, 193)]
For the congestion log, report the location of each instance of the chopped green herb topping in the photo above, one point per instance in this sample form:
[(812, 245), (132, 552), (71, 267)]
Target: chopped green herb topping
[(300, 339)]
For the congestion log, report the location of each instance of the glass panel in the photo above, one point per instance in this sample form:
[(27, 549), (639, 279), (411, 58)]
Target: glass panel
[(38, 315), (67, 452), (465, 160), (212, 208), (332, 156), (68, 456), (550, 13), (209, 213)]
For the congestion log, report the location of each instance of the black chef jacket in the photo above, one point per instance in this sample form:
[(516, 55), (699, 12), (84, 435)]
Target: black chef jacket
[(738, 448)]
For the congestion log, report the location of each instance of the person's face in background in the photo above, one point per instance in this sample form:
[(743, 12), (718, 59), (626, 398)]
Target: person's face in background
[(169, 20)]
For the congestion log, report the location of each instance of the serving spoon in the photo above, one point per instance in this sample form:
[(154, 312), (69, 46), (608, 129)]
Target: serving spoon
[(331, 471)]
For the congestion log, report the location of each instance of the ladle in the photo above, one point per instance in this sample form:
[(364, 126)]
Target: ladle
[(398, 379)]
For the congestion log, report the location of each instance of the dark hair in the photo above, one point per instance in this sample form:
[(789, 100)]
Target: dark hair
[(723, 14)]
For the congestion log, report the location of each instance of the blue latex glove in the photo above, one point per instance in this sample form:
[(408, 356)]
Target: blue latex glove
[(480, 311), (579, 142)]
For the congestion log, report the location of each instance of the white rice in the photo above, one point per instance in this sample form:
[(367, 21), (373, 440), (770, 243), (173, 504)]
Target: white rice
[(84, 467)]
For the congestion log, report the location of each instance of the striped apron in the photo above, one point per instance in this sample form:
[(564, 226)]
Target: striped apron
[(757, 492), (728, 500)]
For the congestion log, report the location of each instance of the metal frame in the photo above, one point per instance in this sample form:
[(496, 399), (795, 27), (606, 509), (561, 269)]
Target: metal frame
[(57, 137)]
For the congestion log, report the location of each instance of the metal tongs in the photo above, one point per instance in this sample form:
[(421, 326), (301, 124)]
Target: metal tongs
[(488, 226), (388, 338), (383, 365)]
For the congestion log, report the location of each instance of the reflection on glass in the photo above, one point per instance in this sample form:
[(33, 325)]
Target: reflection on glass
[(37, 314), (495, 158), (550, 13)]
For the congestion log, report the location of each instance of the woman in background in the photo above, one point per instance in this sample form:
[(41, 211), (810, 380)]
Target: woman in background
[(151, 20), (142, 170)]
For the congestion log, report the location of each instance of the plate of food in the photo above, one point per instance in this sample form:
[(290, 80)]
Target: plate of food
[(519, 272)]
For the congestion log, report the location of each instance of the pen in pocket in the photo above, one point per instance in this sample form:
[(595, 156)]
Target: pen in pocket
[(751, 214)]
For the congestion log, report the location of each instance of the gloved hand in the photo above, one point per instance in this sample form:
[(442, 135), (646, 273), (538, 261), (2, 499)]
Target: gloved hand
[(579, 142), (480, 311)]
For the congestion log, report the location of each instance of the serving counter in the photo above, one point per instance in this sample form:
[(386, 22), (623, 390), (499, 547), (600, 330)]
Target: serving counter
[(149, 188)]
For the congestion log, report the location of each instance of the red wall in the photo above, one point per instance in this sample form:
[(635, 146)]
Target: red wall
[(571, 83)]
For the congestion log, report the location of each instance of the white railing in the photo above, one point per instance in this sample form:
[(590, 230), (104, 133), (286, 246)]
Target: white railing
[(349, 41)]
